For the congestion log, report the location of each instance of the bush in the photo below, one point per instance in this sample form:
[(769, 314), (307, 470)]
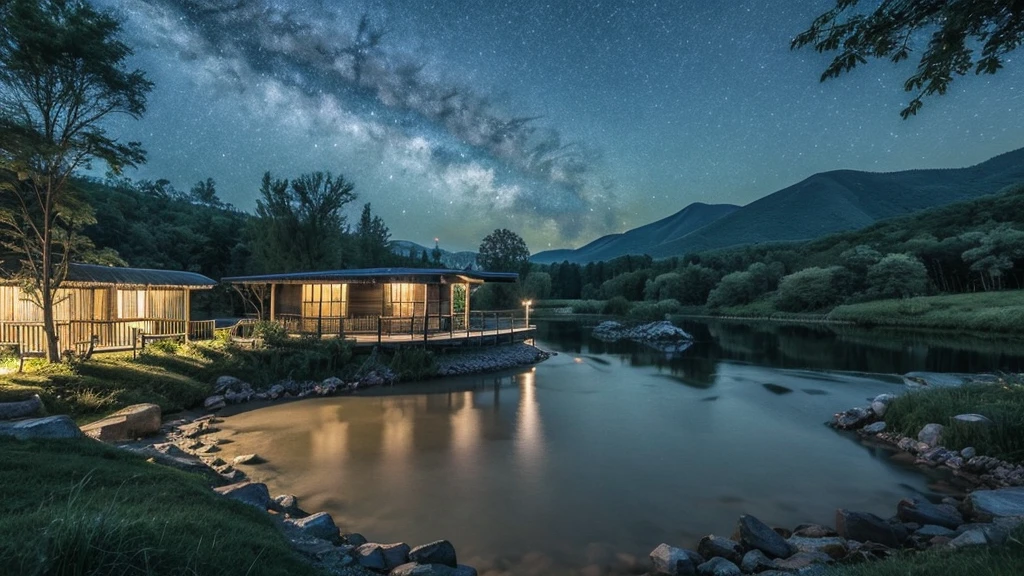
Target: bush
[(653, 311), (809, 289), (587, 306), (617, 306), (272, 333), (410, 364), (897, 276)]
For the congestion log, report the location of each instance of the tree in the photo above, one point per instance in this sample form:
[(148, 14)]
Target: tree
[(504, 251), (809, 289), (372, 237), (63, 71), (888, 31), (300, 226), (897, 276), (537, 286), (204, 192), (435, 254)]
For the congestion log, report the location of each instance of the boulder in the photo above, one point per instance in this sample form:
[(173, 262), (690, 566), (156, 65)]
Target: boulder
[(756, 561), (438, 552), (931, 531), (10, 410), (803, 560), (215, 402), (833, 546), (853, 419), (711, 546), (924, 512), (874, 428), (813, 531), (288, 503), (251, 493), (931, 434), (414, 569), (672, 561), (880, 403), (226, 383), (972, 419), (718, 567), (757, 534), (395, 554), (319, 525), (968, 453), (354, 539), (371, 556), (128, 423), (61, 426), (969, 538), (988, 504), (248, 459), (866, 527), (994, 533), (275, 391)]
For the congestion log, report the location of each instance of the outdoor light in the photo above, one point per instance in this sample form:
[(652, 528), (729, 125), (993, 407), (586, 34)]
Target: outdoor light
[(527, 304)]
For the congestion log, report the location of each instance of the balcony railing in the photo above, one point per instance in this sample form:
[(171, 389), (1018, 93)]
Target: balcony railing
[(103, 335), (404, 327)]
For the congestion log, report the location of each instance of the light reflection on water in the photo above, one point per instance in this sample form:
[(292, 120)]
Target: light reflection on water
[(584, 466)]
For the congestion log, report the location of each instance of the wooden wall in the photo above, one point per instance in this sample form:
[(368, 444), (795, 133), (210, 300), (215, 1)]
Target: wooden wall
[(94, 304), (365, 300)]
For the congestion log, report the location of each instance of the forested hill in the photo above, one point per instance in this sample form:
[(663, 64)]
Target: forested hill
[(822, 204)]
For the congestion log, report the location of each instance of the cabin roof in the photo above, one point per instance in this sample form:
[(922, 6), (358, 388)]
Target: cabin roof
[(92, 275), (378, 275)]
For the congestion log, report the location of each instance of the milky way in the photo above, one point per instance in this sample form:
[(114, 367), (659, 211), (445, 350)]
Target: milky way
[(561, 121)]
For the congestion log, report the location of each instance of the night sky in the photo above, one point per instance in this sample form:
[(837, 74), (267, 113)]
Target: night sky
[(560, 120)]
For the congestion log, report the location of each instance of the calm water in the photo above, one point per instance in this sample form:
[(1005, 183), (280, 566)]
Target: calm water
[(586, 462)]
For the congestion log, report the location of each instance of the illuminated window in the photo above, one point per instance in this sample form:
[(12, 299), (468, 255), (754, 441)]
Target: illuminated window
[(405, 299), (131, 303), (324, 300)]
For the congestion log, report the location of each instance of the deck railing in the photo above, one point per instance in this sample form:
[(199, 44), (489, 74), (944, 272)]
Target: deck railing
[(103, 335), (421, 326)]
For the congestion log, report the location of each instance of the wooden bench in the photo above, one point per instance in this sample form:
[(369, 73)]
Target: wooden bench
[(22, 354)]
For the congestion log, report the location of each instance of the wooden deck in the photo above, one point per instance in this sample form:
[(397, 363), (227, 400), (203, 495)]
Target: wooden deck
[(446, 339)]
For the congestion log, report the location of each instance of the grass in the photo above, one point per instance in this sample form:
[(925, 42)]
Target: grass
[(174, 377), (1003, 560), (1001, 311), (76, 507), (1002, 403)]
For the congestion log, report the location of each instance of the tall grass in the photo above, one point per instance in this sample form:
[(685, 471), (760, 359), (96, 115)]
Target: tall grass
[(1001, 403), (1001, 311)]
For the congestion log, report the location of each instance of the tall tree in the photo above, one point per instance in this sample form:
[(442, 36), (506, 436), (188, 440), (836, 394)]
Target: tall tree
[(888, 30), (372, 237), (435, 254), (504, 251), (205, 192), (63, 71), (300, 225)]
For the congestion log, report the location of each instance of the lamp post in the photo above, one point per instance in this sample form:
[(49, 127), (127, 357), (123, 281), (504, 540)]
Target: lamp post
[(527, 304)]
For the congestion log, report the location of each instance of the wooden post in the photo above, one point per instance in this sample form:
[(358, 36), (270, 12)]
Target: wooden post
[(380, 329), (273, 302), (188, 307), (426, 326), (320, 313)]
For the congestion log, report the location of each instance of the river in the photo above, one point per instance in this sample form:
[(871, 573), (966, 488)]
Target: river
[(587, 461)]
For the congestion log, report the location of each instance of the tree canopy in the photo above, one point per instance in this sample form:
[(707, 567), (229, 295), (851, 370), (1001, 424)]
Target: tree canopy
[(958, 30), (503, 251)]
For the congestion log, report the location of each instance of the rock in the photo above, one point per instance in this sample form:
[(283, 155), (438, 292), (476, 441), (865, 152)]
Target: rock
[(711, 546), (275, 391), (968, 453), (803, 560), (853, 418), (251, 493), (319, 525), (395, 554), (10, 410), (833, 546), (288, 503), (61, 426), (128, 423), (972, 419), (354, 539), (988, 504), (924, 512), (718, 566), (226, 383), (994, 533), (813, 531), (249, 459), (866, 527), (215, 402), (879, 408), (438, 552), (930, 531), (969, 538), (931, 435), (757, 534), (756, 561), (371, 556), (875, 428), (672, 561), (414, 569)]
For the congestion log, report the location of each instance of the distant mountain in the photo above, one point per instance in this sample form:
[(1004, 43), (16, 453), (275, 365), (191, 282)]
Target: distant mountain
[(644, 239), (455, 260), (822, 204)]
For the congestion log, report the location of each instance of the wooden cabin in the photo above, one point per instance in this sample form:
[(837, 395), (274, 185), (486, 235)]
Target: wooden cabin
[(373, 300), (116, 307)]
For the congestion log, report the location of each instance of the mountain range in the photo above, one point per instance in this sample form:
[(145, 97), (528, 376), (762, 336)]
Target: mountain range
[(453, 260), (822, 204)]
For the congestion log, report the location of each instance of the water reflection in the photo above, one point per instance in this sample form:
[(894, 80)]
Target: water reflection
[(585, 463)]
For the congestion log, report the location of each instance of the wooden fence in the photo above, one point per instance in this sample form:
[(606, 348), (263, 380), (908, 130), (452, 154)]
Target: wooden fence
[(78, 335)]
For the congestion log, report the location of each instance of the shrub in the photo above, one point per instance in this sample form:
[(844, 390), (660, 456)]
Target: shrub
[(587, 306), (413, 364), (272, 333), (897, 276), (809, 289), (617, 306), (653, 311)]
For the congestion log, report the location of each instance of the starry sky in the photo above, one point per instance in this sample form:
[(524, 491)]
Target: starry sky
[(560, 120)]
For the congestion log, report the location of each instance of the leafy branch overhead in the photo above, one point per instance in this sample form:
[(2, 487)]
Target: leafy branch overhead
[(965, 35)]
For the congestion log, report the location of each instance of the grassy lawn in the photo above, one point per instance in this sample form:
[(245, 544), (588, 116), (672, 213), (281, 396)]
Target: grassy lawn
[(1005, 560), (1002, 403), (981, 311), (80, 507)]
